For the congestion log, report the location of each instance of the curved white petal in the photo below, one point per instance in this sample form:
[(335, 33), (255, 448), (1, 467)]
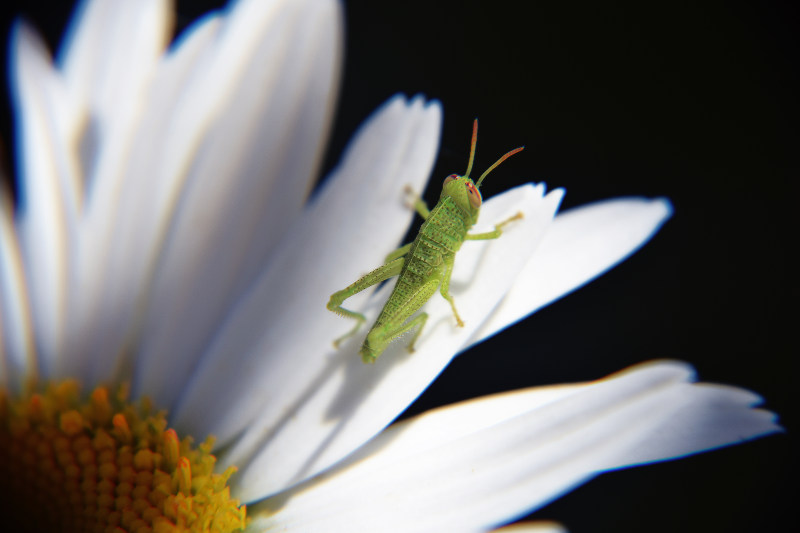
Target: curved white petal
[(278, 341), (108, 56), (47, 172), (343, 402), (234, 92), (581, 244), (117, 181), (17, 359), (264, 523), (533, 527), (487, 461), (66, 117), (247, 186)]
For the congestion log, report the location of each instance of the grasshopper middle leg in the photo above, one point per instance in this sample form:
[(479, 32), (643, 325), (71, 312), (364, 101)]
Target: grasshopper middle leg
[(498, 230)]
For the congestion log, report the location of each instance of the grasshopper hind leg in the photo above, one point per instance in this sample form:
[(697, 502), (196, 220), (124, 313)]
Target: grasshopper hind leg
[(376, 342), (381, 335)]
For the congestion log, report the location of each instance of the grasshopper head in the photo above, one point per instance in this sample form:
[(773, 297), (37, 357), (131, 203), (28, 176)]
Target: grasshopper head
[(465, 193), (462, 189)]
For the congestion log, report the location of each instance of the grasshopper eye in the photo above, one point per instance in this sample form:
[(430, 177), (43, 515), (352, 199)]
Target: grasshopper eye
[(449, 178), (474, 195)]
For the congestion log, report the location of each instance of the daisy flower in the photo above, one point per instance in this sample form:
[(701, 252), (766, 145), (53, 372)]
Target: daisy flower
[(163, 280)]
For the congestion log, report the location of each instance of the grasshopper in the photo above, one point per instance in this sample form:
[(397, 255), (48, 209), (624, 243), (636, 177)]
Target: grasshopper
[(424, 265)]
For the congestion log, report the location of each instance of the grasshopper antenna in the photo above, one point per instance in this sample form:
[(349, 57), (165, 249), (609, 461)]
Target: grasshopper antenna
[(472, 155), (472, 147), (509, 154)]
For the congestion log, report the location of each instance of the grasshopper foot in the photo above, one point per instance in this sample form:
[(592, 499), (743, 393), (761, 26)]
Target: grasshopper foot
[(518, 216), (413, 196), (455, 314)]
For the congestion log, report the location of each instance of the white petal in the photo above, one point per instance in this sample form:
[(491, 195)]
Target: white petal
[(533, 527), (346, 402), (108, 61), (108, 58), (487, 461), (48, 194), (235, 90), (110, 49), (278, 343), (580, 245), (246, 188), (16, 332), (119, 187)]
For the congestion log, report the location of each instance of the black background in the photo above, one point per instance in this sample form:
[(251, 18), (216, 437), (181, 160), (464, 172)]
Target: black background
[(692, 102)]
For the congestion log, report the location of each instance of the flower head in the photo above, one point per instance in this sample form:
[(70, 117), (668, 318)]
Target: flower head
[(164, 237)]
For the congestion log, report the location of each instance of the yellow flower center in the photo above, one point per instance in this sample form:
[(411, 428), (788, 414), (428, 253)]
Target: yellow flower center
[(69, 463)]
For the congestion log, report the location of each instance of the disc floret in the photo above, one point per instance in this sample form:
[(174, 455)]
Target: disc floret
[(99, 463)]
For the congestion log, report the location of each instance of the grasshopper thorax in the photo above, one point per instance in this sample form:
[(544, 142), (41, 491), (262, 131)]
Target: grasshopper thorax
[(465, 192)]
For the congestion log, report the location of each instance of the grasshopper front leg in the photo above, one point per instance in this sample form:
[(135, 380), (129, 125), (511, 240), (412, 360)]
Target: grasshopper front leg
[(419, 204), (390, 269), (498, 230)]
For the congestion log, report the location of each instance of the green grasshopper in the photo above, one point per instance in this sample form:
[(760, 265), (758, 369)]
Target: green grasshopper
[(423, 265)]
